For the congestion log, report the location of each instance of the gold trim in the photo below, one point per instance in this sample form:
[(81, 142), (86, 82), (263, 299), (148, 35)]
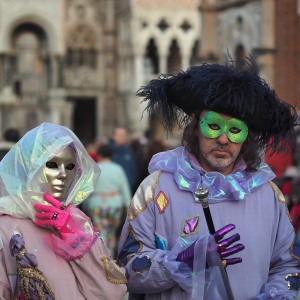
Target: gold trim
[(128, 257), (278, 193), (162, 202), (29, 276), (136, 238), (292, 253), (291, 275), (109, 268), (132, 213)]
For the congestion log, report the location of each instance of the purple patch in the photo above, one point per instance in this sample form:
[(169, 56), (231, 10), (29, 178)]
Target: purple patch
[(190, 225)]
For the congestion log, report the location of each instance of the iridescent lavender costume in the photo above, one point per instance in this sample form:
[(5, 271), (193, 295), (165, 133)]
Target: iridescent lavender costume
[(164, 219), (78, 270)]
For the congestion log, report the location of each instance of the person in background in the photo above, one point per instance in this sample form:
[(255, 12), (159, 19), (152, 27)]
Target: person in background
[(186, 219), (49, 248), (124, 156), (91, 148), (10, 137), (108, 204), (138, 148)]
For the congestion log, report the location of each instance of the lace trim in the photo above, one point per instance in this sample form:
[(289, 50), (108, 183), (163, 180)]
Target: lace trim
[(113, 273)]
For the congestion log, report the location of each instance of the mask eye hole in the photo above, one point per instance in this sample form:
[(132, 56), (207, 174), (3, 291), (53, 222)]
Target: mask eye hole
[(51, 165), (234, 130), (70, 167), (214, 126)]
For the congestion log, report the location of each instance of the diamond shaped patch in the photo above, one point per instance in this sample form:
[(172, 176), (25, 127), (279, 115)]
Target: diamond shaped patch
[(190, 225), (162, 202)]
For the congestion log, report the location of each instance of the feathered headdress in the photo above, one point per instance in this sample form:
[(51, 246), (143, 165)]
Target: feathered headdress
[(233, 89)]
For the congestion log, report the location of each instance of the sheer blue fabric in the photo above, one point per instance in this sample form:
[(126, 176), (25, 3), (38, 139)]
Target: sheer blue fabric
[(189, 176)]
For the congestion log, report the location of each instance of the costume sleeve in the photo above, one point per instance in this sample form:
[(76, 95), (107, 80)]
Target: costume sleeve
[(137, 247), (98, 275), (283, 281)]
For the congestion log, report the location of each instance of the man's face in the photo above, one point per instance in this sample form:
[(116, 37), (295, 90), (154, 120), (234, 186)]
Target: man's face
[(120, 136), (60, 172), (220, 141)]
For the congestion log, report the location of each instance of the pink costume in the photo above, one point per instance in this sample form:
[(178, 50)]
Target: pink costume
[(73, 270)]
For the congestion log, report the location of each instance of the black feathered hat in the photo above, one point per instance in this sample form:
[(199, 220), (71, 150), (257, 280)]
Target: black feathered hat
[(233, 89)]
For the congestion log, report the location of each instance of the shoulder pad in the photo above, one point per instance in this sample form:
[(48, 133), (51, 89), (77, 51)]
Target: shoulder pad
[(143, 196), (278, 194)]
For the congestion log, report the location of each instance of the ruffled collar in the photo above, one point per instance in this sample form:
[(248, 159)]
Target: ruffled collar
[(189, 176)]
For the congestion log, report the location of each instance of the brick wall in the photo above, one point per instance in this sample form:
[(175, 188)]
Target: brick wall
[(287, 55)]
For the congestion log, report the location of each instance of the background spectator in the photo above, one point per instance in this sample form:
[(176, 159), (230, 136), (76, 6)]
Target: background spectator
[(124, 156), (107, 205)]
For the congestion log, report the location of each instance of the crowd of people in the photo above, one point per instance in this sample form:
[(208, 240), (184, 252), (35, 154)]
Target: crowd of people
[(205, 220)]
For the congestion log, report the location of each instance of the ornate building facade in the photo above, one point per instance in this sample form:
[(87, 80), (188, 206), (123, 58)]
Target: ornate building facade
[(80, 62)]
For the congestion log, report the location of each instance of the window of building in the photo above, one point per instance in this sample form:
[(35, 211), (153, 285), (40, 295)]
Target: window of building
[(174, 59), (195, 55), (81, 48), (151, 58), (29, 64)]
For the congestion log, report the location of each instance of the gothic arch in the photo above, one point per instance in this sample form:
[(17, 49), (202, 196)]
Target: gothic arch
[(248, 37), (151, 57), (37, 20), (174, 62)]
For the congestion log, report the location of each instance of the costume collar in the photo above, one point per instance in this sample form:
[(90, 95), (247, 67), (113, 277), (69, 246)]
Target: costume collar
[(189, 176)]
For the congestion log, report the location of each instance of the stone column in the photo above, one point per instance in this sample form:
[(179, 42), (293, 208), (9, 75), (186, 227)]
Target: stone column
[(185, 60), (162, 64), (134, 108), (7, 70), (2, 73), (138, 71), (57, 106), (54, 71)]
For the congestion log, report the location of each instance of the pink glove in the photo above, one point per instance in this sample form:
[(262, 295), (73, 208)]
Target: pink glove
[(76, 232), (57, 215)]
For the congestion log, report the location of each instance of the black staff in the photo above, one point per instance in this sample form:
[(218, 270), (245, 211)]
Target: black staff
[(202, 195)]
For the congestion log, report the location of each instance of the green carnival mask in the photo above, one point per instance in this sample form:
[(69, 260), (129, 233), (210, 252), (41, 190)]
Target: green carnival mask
[(212, 125)]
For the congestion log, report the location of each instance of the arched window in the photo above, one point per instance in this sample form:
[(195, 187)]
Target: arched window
[(29, 71), (195, 55), (81, 48), (174, 60), (151, 58)]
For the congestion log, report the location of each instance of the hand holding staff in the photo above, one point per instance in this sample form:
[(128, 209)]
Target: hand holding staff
[(202, 196)]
